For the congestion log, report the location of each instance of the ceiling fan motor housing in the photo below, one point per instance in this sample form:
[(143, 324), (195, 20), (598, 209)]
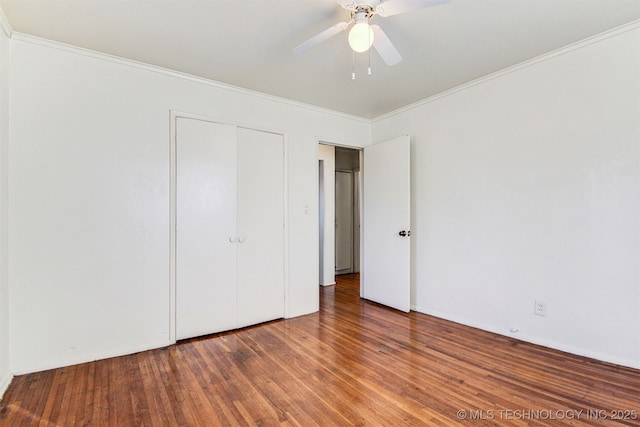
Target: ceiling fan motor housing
[(360, 16), (362, 12)]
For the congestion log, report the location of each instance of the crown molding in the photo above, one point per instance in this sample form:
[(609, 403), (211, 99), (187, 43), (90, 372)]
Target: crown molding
[(178, 74), (4, 24), (633, 25)]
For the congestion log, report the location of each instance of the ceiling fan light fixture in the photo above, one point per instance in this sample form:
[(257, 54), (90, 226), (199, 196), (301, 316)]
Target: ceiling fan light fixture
[(361, 36)]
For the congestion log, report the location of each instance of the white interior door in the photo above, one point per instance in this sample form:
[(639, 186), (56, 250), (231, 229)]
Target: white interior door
[(386, 216), (260, 226), (205, 228)]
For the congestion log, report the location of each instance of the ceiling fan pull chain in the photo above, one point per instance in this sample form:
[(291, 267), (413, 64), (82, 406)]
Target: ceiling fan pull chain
[(353, 66), (369, 52)]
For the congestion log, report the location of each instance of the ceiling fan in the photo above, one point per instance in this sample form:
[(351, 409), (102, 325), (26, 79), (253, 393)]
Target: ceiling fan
[(363, 35)]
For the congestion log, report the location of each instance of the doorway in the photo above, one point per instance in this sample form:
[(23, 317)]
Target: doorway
[(339, 211)]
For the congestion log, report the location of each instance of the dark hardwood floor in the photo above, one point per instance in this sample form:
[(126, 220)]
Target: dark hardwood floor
[(353, 363)]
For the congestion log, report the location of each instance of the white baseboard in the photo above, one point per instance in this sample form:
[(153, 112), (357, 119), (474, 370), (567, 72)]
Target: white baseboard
[(86, 358), (534, 339)]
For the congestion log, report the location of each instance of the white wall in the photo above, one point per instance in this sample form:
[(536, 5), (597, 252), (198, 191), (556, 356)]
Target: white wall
[(327, 153), (526, 186), (89, 198), (5, 375)]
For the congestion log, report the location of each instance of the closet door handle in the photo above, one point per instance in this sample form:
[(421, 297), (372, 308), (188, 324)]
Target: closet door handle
[(232, 239), (240, 239)]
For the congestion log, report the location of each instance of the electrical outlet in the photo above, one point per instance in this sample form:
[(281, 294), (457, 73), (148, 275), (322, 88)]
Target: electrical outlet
[(540, 308)]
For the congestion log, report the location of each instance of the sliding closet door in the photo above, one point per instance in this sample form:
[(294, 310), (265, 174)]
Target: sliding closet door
[(206, 228), (260, 226)]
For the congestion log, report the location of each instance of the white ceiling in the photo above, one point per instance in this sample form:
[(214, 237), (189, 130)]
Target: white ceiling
[(248, 43)]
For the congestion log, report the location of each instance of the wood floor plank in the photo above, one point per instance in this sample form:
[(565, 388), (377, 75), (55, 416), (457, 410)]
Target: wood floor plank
[(352, 363)]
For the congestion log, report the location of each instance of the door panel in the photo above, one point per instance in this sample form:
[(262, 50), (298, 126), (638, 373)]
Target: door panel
[(260, 226), (386, 200), (205, 221)]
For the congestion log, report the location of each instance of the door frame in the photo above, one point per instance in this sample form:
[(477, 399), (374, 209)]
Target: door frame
[(173, 182), (353, 198), (360, 149), (321, 224)]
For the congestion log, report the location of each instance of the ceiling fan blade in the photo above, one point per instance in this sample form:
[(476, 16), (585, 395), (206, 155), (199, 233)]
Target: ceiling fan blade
[(384, 47), (396, 7), (321, 37)]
